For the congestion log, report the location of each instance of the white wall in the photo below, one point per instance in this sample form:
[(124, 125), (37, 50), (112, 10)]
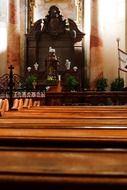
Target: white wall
[(3, 36), (113, 27), (112, 17)]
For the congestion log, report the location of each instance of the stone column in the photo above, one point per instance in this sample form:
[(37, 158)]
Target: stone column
[(96, 45), (13, 49)]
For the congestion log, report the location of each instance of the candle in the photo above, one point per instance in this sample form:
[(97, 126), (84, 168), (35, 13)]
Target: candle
[(59, 77)]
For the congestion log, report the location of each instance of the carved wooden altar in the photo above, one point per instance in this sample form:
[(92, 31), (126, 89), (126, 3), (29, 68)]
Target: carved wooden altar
[(64, 37)]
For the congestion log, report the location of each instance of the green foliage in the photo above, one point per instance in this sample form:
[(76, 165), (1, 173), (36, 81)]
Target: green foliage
[(50, 82), (117, 84), (31, 78), (101, 84), (71, 82)]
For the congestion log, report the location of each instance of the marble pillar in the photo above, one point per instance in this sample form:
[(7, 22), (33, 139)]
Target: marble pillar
[(96, 45), (13, 49)]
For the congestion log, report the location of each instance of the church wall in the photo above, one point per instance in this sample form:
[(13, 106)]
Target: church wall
[(67, 8), (13, 35), (23, 31), (3, 36), (113, 27), (12, 27), (112, 23)]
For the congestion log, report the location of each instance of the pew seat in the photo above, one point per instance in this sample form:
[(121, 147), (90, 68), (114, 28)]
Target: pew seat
[(68, 148), (64, 116), (30, 168), (4, 106)]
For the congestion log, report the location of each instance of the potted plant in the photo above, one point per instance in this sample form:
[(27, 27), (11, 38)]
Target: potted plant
[(71, 82), (117, 84), (30, 81), (101, 84)]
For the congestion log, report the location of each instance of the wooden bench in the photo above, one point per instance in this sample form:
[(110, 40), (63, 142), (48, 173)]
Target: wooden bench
[(75, 148), (77, 108), (70, 124), (30, 168), (74, 109), (65, 117), (4, 106)]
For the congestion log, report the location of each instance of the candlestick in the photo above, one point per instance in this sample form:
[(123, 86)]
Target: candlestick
[(118, 40)]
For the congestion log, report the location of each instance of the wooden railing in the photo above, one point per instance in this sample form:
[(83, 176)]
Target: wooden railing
[(87, 98)]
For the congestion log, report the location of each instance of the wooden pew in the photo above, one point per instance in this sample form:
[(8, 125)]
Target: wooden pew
[(74, 149), (19, 104), (66, 124), (77, 108), (63, 169), (60, 116), (70, 126), (4, 106)]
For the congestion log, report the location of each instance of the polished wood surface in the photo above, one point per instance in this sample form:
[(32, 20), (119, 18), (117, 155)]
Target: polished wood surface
[(66, 122), (67, 42), (94, 98), (64, 166), (64, 147), (70, 116)]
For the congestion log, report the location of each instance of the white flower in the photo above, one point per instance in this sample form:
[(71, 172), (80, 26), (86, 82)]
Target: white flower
[(75, 68), (28, 69)]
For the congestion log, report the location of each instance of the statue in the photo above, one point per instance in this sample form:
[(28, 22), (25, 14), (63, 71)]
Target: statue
[(51, 65)]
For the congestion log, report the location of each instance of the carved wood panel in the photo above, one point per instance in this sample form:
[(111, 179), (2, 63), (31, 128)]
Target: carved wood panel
[(62, 35)]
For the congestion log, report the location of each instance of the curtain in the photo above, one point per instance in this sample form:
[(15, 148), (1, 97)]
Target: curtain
[(96, 46)]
